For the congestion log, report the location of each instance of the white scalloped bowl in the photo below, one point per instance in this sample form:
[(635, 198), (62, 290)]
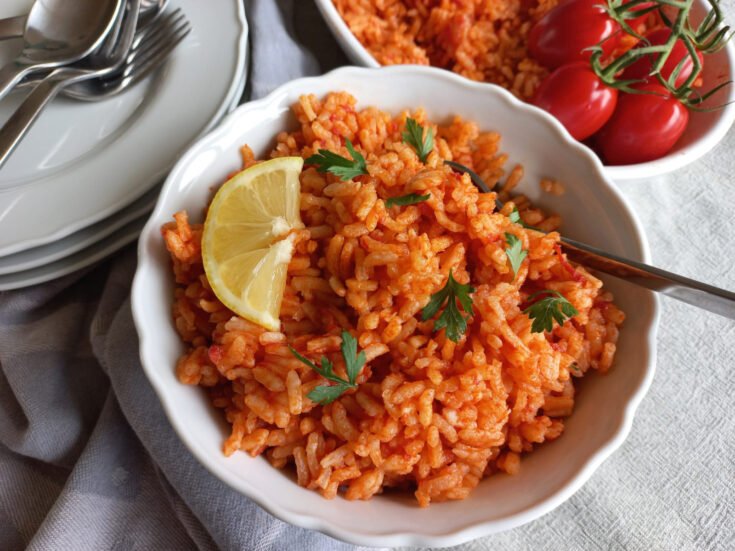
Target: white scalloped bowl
[(593, 211), (705, 129)]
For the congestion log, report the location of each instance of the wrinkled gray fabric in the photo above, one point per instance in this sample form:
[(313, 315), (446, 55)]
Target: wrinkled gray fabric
[(89, 461)]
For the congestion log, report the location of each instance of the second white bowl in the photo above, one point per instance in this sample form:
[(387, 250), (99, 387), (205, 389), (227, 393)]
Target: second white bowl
[(705, 129)]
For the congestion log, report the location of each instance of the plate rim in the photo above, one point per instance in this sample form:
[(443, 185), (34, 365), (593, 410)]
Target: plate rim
[(114, 222), (87, 256)]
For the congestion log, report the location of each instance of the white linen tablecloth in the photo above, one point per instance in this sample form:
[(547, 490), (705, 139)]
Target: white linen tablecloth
[(89, 461)]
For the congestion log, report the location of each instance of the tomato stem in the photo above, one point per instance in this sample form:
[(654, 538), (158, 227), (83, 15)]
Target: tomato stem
[(696, 66), (703, 35), (708, 37)]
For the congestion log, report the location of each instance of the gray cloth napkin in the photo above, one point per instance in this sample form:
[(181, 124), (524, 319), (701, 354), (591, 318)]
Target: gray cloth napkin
[(89, 461)]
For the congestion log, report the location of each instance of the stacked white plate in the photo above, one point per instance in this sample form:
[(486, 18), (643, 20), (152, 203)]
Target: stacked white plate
[(82, 183)]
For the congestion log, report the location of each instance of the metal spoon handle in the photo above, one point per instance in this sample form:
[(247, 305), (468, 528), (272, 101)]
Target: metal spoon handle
[(16, 127), (696, 293), (12, 27), (10, 75)]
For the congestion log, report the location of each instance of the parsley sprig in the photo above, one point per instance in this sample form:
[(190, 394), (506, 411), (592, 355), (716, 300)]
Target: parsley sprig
[(354, 362), (345, 169), (554, 307), (422, 142), (451, 318), (405, 200), (514, 252)]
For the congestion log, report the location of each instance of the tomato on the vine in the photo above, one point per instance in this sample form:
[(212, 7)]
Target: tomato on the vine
[(643, 127), (577, 97), (641, 69), (563, 34), (635, 22)]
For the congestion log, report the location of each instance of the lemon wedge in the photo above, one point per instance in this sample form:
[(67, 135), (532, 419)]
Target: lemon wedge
[(245, 244)]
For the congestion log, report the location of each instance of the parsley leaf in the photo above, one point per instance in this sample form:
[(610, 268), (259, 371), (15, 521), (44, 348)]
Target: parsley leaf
[(414, 136), (554, 307), (405, 200), (324, 395), (345, 169), (354, 362), (515, 217), (515, 252), (451, 318)]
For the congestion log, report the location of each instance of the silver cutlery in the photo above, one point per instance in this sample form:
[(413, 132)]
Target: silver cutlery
[(690, 291), (13, 27), (163, 36), (60, 32), (149, 12), (108, 59), (125, 66), (159, 43)]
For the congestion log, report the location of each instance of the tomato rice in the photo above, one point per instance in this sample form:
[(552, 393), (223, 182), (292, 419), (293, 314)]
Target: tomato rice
[(429, 416)]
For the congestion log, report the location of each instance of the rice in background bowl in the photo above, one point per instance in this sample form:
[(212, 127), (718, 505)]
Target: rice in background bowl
[(592, 211)]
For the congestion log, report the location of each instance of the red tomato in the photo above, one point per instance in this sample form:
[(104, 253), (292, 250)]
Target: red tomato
[(561, 35), (576, 96), (643, 127), (641, 68), (636, 22)]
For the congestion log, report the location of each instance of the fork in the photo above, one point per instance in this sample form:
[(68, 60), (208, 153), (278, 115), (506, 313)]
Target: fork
[(702, 295), (148, 52), (129, 63)]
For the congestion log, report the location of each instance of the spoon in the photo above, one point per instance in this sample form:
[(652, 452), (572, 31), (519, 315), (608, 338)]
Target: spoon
[(60, 32), (710, 298), (14, 27), (149, 10)]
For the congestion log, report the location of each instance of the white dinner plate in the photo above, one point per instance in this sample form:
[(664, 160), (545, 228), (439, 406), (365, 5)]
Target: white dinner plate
[(82, 162), (24, 261)]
